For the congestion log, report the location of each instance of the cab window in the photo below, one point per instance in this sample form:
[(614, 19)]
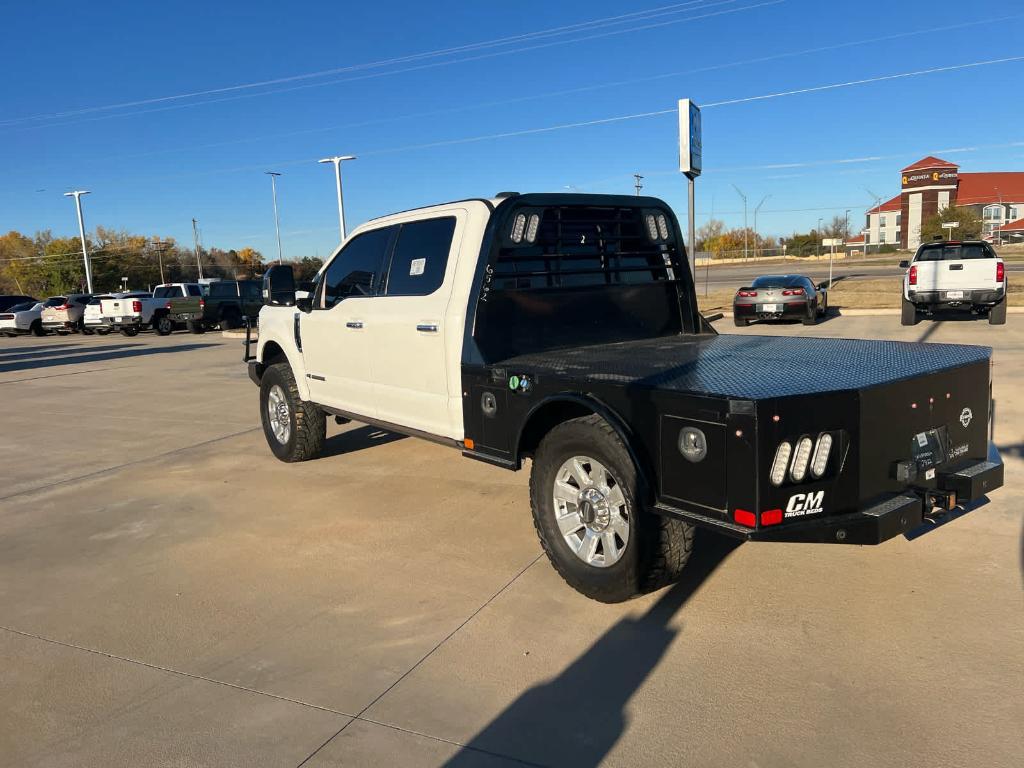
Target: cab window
[(421, 257), (356, 271)]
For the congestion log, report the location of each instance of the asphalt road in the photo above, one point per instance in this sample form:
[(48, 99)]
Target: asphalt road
[(737, 275), (171, 595)]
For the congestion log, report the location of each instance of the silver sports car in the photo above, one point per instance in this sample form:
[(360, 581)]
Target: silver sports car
[(780, 297)]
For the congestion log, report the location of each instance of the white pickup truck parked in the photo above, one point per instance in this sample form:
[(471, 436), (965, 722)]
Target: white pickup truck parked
[(130, 313), (964, 275), (564, 329)]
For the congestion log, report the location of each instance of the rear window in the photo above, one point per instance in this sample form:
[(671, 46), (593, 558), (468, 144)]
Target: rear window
[(24, 307), (420, 257), (55, 301), (773, 281), (194, 290), (955, 252), (223, 290), (585, 246), (167, 292)]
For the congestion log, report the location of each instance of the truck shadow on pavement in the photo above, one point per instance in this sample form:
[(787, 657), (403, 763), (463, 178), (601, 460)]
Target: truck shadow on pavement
[(96, 356), (358, 439), (76, 349), (576, 718), (6, 351)]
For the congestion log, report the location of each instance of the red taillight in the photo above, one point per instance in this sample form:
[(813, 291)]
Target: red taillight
[(793, 292), (743, 517), (1000, 272), (136, 306), (167, 305), (748, 294), (63, 307), (202, 303), (771, 517), (913, 275)]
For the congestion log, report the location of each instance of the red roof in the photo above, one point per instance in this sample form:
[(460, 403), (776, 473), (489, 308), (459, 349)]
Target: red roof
[(930, 162), (1013, 226), (890, 205), (977, 188), (855, 240)]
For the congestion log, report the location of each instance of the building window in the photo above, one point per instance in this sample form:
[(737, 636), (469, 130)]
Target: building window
[(993, 213), (881, 221), (1014, 212)]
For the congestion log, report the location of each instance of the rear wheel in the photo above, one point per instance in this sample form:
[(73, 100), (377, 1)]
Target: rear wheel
[(295, 429), (909, 313), (195, 326), (812, 316), (590, 518), (740, 322), (229, 321), (997, 315), (130, 330), (163, 325), (37, 329), (102, 331)]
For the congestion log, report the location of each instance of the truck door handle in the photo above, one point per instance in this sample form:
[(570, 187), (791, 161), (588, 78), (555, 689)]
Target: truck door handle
[(956, 266), (427, 327), (354, 324)]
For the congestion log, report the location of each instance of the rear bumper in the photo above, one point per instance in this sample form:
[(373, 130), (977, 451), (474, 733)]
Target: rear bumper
[(789, 309), (900, 514), (55, 325), (934, 298), (127, 322)]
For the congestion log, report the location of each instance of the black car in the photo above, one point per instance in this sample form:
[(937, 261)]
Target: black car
[(780, 297), (6, 302)]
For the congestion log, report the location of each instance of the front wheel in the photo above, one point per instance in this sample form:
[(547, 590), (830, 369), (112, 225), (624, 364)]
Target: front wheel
[(590, 519), (295, 429)]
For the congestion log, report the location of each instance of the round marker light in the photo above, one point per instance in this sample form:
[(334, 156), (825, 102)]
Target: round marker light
[(803, 455), (531, 228), (517, 228), (652, 226), (821, 452), (693, 444), (782, 454), (663, 226)]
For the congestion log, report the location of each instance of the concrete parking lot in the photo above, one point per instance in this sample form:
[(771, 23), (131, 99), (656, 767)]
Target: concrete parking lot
[(171, 595)]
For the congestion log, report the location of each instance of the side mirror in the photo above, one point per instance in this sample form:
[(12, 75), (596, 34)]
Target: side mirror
[(305, 304), (904, 264), (279, 286)]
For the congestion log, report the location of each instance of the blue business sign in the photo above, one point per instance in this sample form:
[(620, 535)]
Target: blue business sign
[(689, 138)]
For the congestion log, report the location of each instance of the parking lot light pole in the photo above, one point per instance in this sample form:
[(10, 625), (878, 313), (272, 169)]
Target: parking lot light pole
[(338, 160), (756, 209), (77, 194), (277, 222), (738, 192)]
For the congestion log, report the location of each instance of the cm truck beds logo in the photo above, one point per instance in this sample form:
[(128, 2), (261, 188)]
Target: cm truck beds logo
[(801, 504)]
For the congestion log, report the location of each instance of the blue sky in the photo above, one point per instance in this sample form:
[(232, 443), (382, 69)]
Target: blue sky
[(152, 167)]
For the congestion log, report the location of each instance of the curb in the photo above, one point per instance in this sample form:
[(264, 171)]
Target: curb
[(239, 334), (840, 312)]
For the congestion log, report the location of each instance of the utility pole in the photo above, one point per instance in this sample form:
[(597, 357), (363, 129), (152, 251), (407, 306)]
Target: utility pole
[(637, 178), (817, 247), (738, 192), (337, 161), (77, 194), (758, 208), (277, 222), (160, 246), (195, 242), (867, 234)]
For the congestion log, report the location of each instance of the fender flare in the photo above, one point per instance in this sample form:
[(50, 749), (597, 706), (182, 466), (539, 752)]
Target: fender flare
[(645, 474), (298, 369)]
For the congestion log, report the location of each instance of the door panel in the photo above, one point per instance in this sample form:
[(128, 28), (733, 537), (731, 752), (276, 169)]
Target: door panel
[(413, 336), (336, 350)]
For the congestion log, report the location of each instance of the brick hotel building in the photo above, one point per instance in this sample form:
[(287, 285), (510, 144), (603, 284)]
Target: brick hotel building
[(931, 184)]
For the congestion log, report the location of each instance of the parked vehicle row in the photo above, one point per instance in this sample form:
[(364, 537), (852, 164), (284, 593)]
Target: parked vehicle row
[(170, 306)]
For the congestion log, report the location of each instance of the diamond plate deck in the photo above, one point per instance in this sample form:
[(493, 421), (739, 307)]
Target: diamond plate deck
[(753, 367)]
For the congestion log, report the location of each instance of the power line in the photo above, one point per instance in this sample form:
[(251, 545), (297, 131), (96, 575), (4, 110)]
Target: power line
[(698, 5)]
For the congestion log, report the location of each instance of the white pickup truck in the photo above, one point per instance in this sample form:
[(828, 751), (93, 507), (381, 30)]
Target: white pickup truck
[(564, 329), (964, 275), (134, 312)]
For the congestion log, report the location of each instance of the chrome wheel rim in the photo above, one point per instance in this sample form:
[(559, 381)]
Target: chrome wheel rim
[(591, 511), (279, 414)]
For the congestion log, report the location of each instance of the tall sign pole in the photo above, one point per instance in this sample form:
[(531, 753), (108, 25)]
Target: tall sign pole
[(77, 194), (195, 242), (690, 165)]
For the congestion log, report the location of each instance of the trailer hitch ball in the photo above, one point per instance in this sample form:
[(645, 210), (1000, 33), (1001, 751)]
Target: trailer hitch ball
[(841, 534)]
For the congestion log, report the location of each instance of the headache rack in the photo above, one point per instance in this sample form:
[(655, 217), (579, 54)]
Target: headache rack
[(576, 245)]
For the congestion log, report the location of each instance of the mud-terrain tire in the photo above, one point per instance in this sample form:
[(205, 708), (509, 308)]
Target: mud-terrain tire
[(298, 431), (997, 315), (909, 314), (656, 548)]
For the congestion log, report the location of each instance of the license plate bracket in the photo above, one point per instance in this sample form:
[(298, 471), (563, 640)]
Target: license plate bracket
[(768, 308)]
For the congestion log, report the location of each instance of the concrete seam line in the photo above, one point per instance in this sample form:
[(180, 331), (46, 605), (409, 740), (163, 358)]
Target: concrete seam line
[(172, 671), (426, 656), (88, 475), (73, 373)]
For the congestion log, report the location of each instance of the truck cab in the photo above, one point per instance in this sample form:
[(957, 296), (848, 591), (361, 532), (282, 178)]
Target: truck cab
[(966, 275), (563, 330)]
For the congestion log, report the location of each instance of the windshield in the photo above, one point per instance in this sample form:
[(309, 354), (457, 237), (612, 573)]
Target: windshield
[(955, 252)]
